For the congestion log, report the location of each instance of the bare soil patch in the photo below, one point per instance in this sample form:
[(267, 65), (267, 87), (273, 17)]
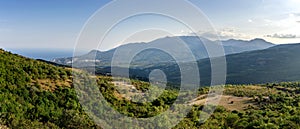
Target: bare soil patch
[(229, 102)]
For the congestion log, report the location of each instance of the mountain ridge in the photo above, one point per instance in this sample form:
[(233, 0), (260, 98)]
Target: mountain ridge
[(276, 64), (196, 45)]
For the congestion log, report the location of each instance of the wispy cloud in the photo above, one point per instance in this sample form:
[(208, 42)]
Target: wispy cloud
[(289, 20), (279, 21), (282, 36), (294, 14), (225, 34)]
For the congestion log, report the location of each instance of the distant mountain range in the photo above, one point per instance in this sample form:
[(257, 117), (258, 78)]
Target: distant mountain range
[(248, 62), (280, 63), (155, 56)]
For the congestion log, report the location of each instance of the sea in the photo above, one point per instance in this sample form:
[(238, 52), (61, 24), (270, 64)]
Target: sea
[(44, 54)]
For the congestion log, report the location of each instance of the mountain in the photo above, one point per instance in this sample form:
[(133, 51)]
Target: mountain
[(280, 63), (237, 46), (274, 64), (156, 56)]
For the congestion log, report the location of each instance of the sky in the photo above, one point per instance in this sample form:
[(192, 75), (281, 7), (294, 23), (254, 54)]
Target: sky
[(56, 24)]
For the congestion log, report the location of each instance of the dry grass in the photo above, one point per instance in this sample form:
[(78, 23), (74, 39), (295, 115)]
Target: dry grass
[(51, 85), (3, 127), (236, 103), (236, 97), (130, 90), (248, 91), (229, 102)]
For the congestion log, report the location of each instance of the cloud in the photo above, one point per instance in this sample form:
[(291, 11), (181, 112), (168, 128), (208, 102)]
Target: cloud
[(294, 14), (282, 36), (281, 21), (224, 34)]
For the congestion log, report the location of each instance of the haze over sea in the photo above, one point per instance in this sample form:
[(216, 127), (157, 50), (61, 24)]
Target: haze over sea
[(43, 53)]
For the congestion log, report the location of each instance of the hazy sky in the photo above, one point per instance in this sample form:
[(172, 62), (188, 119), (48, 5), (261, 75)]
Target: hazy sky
[(57, 23)]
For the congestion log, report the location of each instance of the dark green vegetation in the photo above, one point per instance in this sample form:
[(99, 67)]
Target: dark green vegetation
[(35, 94), (276, 64), (273, 106)]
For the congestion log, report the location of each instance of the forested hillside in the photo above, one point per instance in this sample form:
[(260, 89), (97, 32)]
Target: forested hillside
[(34, 94)]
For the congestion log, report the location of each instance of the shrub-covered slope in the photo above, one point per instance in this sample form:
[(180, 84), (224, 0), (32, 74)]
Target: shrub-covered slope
[(34, 94)]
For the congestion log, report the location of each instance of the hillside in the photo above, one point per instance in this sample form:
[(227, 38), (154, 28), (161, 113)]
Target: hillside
[(276, 64), (34, 94)]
